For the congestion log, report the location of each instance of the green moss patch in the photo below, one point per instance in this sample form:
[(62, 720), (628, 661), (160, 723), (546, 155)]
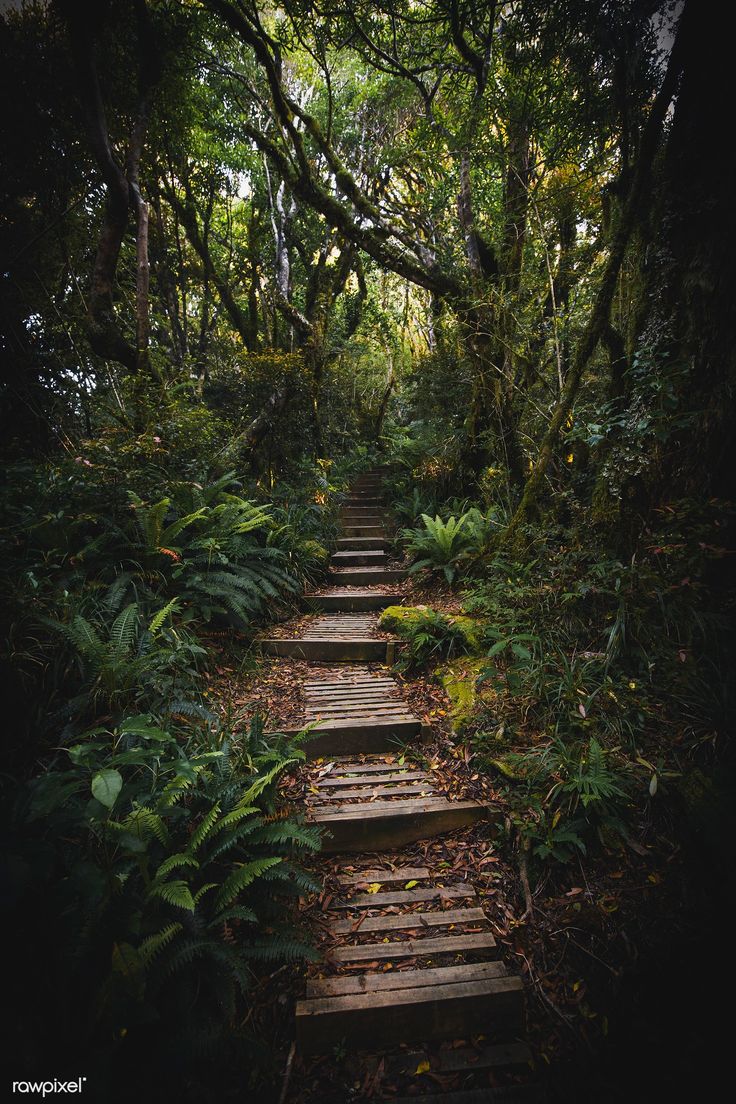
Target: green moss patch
[(458, 680)]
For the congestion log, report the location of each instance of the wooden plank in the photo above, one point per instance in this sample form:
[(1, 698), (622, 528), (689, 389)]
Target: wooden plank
[(329, 718), (411, 920), (366, 575), (412, 808), (405, 897), (351, 736), (367, 766), (398, 874), (368, 651), (350, 679), (406, 979), (370, 780), (362, 692), (336, 794), (429, 1012), (355, 717), (369, 543), (471, 943)]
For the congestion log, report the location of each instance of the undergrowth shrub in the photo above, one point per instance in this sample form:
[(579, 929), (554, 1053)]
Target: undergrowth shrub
[(451, 545), (153, 878)]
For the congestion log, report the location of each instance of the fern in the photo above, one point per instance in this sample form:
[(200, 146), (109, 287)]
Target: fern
[(154, 944), (174, 861), (158, 619), (204, 828), (241, 878), (124, 629), (175, 893)]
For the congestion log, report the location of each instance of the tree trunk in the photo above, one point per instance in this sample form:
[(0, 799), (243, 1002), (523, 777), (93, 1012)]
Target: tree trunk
[(634, 209)]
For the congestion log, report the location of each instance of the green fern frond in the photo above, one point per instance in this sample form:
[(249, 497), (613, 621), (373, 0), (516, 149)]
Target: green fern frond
[(174, 861), (204, 828), (242, 877), (159, 618), (175, 893), (150, 947)]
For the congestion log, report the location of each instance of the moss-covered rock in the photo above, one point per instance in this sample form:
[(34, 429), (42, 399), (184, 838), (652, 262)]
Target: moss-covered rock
[(405, 621), (471, 630), (458, 680)]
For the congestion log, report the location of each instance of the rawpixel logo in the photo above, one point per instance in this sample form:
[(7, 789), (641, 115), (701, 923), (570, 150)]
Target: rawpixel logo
[(48, 1088)]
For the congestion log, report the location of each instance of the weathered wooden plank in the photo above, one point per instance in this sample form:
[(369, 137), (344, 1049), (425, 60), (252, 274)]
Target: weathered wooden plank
[(367, 765), (409, 806), (363, 691), (471, 943), (359, 559), (348, 679), (411, 921), (405, 896), (406, 979), (370, 779), (347, 601), (356, 714), (330, 796), (327, 650), (430, 1012), (370, 543), (364, 576), (351, 736), (398, 874)]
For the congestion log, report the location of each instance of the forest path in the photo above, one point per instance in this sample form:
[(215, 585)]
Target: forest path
[(409, 957)]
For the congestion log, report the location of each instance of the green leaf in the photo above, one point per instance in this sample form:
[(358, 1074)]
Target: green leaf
[(106, 786)]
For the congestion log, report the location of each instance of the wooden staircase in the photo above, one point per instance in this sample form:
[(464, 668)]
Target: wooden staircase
[(409, 953)]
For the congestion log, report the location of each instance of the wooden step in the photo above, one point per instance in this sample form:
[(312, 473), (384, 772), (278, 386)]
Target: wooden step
[(340, 625), (472, 943), (409, 979), (361, 712), (346, 737), (406, 896), (351, 601), (411, 921), (349, 738), (329, 650), (358, 530), (435, 1011), (368, 558), (364, 576), (362, 544), (381, 824)]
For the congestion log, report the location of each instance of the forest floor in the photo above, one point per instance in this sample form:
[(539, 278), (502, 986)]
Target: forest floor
[(610, 951)]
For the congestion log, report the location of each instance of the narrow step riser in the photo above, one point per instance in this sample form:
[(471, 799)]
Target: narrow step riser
[(367, 578), (361, 740), (363, 544), (416, 1017), (330, 651), (348, 603), (373, 531), (389, 832), (358, 559)]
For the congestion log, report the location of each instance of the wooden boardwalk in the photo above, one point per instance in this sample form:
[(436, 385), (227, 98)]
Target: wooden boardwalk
[(410, 956)]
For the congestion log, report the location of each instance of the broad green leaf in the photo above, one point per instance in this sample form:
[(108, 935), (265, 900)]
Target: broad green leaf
[(106, 786)]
